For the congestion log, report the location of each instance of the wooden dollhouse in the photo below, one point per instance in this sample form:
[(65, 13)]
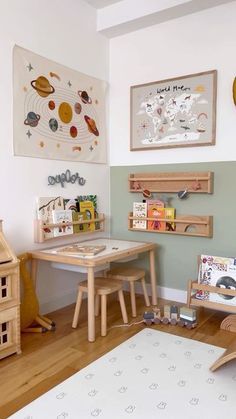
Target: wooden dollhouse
[(9, 299)]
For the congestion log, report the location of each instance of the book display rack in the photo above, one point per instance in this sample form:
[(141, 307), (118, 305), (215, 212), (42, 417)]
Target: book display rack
[(40, 227), (182, 183), (187, 225)]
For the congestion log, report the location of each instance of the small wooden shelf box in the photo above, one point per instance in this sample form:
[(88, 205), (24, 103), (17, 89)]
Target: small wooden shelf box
[(9, 300)]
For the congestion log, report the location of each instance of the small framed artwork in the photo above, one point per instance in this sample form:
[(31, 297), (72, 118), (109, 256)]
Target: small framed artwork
[(179, 112)]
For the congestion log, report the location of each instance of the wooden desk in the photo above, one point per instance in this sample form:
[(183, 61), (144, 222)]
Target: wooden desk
[(115, 250)]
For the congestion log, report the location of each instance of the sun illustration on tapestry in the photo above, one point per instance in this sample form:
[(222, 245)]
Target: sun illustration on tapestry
[(59, 113)]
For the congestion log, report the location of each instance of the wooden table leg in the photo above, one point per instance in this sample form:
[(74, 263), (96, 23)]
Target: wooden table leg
[(153, 277), (91, 310)]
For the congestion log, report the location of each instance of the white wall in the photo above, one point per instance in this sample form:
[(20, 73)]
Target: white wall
[(191, 44), (66, 33)]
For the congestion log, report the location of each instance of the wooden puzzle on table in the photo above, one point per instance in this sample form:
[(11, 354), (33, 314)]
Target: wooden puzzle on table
[(82, 250)]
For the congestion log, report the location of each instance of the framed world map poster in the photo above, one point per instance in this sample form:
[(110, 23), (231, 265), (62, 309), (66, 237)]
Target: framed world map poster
[(179, 112), (59, 113)]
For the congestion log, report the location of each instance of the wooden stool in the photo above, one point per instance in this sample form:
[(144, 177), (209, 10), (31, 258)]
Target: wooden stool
[(131, 275), (103, 287)]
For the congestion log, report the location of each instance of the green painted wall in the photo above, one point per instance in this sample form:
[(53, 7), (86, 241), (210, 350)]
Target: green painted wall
[(176, 257)]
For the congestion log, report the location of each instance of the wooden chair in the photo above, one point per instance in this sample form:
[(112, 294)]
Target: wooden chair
[(131, 274), (103, 288)]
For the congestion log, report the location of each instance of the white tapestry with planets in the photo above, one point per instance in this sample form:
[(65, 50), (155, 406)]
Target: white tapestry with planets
[(59, 113)]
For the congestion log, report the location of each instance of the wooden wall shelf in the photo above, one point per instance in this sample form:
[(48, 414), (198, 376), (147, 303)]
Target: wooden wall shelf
[(187, 225), (40, 226), (194, 182)]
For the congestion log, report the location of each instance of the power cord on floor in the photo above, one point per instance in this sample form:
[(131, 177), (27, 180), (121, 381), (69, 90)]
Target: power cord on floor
[(126, 324)]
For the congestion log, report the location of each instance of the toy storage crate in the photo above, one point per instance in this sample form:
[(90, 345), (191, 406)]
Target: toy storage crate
[(9, 332)]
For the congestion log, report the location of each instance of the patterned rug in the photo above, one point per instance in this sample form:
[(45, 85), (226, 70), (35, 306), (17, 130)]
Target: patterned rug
[(151, 375)]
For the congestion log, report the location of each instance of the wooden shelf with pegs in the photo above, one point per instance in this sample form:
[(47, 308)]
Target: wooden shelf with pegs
[(193, 182), (40, 226), (187, 225)]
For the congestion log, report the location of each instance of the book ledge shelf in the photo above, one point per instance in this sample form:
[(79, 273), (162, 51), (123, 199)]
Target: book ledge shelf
[(40, 226), (194, 182), (229, 323), (187, 225)]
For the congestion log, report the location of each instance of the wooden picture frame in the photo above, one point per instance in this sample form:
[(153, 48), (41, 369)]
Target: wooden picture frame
[(178, 112)]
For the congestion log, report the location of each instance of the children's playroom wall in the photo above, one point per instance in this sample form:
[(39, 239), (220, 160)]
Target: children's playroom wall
[(195, 43), (64, 33), (67, 34)]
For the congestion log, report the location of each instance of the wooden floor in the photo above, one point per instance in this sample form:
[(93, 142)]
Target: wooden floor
[(49, 358)]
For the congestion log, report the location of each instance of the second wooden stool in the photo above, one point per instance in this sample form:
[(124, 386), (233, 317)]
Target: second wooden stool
[(103, 287), (131, 274)]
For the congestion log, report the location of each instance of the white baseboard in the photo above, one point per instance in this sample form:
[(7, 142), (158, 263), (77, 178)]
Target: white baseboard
[(64, 300), (58, 302), (172, 294)]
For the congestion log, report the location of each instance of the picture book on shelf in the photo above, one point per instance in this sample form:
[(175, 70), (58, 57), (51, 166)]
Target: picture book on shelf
[(62, 217), (219, 272), (45, 206), (92, 198), (70, 204), (87, 208), (156, 202), (170, 215), (140, 210), (78, 216), (158, 213)]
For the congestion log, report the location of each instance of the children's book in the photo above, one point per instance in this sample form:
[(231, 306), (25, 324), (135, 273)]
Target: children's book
[(78, 216), (140, 210), (93, 199), (219, 272), (158, 213), (45, 206), (170, 214), (87, 208), (156, 202), (70, 204), (63, 217)]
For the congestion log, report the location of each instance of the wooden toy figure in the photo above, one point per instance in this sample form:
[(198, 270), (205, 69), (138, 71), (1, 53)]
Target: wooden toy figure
[(150, 317), (166, 318), (174, 313), (188, 317)]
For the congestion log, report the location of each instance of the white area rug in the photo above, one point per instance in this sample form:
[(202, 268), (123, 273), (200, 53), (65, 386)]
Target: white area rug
[(151, 375)]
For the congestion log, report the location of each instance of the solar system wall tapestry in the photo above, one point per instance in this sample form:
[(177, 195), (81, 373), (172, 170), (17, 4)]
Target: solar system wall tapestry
[(59, 113), (179, 112)]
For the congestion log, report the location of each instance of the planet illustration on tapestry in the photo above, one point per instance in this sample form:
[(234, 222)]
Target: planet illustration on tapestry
[(42, 86), (65, 112), (91, 125), (84, 96), (58, 107), (32, 119), (53, 124)]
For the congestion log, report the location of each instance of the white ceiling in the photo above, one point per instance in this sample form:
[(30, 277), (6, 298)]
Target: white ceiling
[(118, 17), (99, 4)]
